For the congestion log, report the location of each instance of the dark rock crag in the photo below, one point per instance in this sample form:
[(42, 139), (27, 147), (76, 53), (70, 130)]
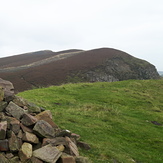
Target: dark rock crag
[(114, 65)]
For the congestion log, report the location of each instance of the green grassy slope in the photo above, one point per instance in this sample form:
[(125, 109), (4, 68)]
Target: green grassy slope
[(114, 118)]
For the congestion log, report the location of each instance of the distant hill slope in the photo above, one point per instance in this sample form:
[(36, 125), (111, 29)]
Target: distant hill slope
[(46, 68), (161, 73)]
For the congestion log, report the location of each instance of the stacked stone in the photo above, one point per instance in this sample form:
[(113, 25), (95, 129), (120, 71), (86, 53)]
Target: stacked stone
[(29, 135)]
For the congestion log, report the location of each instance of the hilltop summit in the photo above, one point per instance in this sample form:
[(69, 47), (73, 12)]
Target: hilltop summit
[(46, 68)]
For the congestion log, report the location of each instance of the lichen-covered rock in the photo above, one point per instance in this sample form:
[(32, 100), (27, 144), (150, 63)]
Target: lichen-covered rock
[(13, 142), (3, 105), (47, 153), (66, 159), (9, 155), (46, 116), (35, 160), (28, 120), (1, 94), (61, 148), (25, 129), (73, 150), (3, 159), (32, 108), (25, 152), (4, 146), (46, 113), (15, 160), (2, 117), (20, 101), (83, 145), (7, 87), (30, 137), (55, 141), (63, 133), (3, 128), (44, 129), (15, 110), (14, 125)]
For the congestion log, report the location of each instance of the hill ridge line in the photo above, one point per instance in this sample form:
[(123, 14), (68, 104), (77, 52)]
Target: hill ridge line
[(41, 62)]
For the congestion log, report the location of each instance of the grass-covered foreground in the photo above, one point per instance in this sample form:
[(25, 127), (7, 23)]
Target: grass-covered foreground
[(114, 118)]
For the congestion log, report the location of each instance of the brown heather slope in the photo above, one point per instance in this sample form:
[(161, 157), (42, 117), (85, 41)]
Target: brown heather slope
[(103, 64), (26, 58)]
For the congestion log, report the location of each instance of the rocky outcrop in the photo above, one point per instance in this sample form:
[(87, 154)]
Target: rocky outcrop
[(117, 69), (30, 135)]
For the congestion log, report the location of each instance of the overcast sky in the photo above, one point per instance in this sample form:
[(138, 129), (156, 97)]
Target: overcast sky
[(133, 26)]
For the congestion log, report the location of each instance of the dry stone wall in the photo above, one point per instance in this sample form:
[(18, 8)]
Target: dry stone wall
[(29, 135)]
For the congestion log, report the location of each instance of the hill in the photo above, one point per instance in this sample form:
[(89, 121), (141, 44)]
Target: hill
[(161, 73), (46, 68), (121, 121)]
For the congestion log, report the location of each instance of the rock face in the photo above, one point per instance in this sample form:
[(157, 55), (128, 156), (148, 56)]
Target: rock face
[(119, 68), (30, 135)]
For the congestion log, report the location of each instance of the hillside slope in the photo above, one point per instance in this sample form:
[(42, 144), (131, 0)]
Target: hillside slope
[(121, 121), (105, 64)]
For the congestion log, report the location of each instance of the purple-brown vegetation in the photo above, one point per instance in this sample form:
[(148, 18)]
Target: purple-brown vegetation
[(53, 72)]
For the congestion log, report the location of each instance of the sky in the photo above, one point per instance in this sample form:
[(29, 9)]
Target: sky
[(133, 26)]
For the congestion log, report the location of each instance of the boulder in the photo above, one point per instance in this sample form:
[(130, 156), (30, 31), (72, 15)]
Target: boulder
[(35, 160), (44, 129), (9, 155), (47, 153), (15, 110), (63, 133), (55, 141), (3, 105), (15, 160), (15, 125), (25, 152), (3, 128), (4, 146), (25, 129), (75, 136), (31, 138), (1, 94), (13, 142), (61, 148), (66, 159), (46, 116), (3, 159), (72, 147), (28, 120), (20, 134), (83, 145), (32, 108), (46, 113), (20, 101), (2, 117), (7, 87)]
